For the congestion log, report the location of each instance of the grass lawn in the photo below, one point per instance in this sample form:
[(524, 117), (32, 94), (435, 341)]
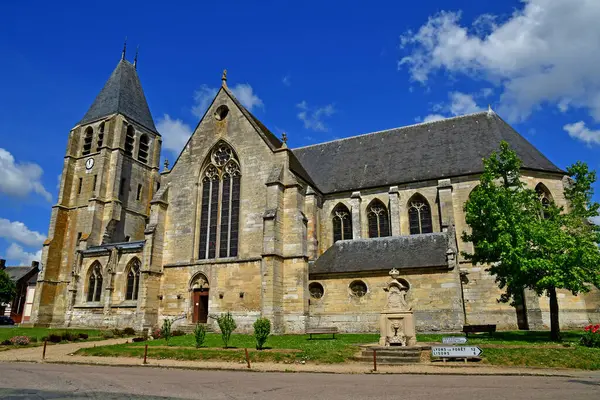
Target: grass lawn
[(511, 348), (39, 333)]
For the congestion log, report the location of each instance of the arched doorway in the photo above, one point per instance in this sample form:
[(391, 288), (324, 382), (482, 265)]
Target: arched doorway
[(199, 289)]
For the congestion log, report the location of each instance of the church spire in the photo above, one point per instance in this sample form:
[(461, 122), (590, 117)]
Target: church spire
[(122, 94), (224, 78), (137, 50), (124, 49)]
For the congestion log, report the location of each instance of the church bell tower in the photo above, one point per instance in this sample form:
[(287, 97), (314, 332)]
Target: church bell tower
[(110, 173)]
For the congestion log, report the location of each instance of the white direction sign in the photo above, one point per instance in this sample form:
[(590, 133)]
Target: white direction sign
[(454, 340), (455, 351)]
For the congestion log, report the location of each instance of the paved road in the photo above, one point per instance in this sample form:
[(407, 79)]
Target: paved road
[(57, 381)]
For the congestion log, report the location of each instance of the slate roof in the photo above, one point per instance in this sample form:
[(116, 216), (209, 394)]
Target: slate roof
[(122, 93), (383, 254), (17, 273), (433, 150)]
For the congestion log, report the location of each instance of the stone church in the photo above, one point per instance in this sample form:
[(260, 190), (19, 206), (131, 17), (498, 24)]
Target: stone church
[(242, 223)]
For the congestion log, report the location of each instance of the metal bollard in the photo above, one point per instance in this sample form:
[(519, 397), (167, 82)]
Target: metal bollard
[(247, 358), (374, 360), (44, 352), (145, 353)]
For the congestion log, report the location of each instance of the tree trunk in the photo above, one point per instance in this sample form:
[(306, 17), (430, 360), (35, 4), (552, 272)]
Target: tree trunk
[(554, 322)]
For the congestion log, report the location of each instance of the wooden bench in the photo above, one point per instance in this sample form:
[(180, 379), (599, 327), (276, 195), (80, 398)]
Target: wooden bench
[(332, 330), (478, 328)]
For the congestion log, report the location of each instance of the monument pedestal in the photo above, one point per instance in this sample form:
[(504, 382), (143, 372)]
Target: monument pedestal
[(397, 328), (397, 322)]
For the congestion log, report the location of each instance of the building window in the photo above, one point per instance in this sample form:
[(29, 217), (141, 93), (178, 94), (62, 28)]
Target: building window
[(545, 198), (316, 290), (94, 184), (133, 280), (220, 209), (87, 141), (378, 218), (94, 291), (342, 223), (122, 187), (79, 186), (358, 288), (100, 137), (139, 192), (419, 215), (143, 150), (129, 140)]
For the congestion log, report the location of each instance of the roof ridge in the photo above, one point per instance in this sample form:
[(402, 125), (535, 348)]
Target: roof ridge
[(457, 117)]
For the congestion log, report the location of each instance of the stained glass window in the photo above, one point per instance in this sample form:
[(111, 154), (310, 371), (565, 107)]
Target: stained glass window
[(342, 223), (378, 219), (419, 215)]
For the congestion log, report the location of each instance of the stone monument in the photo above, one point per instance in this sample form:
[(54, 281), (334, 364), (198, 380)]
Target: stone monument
[(397, 322)]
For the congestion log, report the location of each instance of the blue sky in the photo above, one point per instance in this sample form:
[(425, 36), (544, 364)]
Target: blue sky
[(316, 70)]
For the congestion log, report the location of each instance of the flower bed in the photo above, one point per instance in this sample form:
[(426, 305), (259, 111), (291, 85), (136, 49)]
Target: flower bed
[(591, 336)]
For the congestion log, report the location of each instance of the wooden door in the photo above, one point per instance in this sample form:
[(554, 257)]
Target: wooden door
[(200, 306)]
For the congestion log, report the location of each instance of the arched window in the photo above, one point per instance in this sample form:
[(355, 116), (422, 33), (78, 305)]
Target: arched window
[(143, 150), (94, 291), (419, 215), (87, 141), (545, 198), (100, 137), (220, 212), (379, 220), (342, 223), (133, 280), (129, 140)]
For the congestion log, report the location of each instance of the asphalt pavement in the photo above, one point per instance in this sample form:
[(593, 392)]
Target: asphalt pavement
[(61, 381)]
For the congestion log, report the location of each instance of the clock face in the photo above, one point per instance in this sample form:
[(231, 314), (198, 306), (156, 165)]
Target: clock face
[(89, 163)]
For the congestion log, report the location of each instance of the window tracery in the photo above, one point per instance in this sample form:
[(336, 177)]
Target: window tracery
[(133, 280), (219, 217), (342, 223), (378, 219), (419, 215), (94, 291)]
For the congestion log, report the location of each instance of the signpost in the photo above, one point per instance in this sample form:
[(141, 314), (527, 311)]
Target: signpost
[(454, 340), (463, 352)]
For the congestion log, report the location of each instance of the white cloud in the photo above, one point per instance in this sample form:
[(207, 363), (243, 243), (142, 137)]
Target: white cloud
[(246, 96), (579, 131), (287, 80), (459, 104), (22, 257), (175, 133), (18, 232), (433, 117), (202, 99), (19, 179), (242, 91), (596, 220), (313, 117), (545, 52)]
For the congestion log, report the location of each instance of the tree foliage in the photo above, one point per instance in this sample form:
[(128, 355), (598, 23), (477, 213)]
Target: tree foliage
[(7, 288), (227, 325), (528, 245), (262, 330)]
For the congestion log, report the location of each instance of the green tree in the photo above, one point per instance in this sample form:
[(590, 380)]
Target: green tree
[(528, 245), (7, 288), (227, 325), (166, 330)]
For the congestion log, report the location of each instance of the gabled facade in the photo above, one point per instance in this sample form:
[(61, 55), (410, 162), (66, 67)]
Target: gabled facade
[(304, 237)]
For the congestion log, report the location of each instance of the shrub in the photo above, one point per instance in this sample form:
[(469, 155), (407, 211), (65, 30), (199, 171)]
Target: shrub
[(6, 342), (138, 339), (117, 332), (68, 336), (156, 333), (44, 338), (165, 332), (54, 338), (108, 334), (199, 334), (177, 332), (129, 331), (83, 336), (19, 340), (262, 330), (227, 325), (33, 339), (591, 336)]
